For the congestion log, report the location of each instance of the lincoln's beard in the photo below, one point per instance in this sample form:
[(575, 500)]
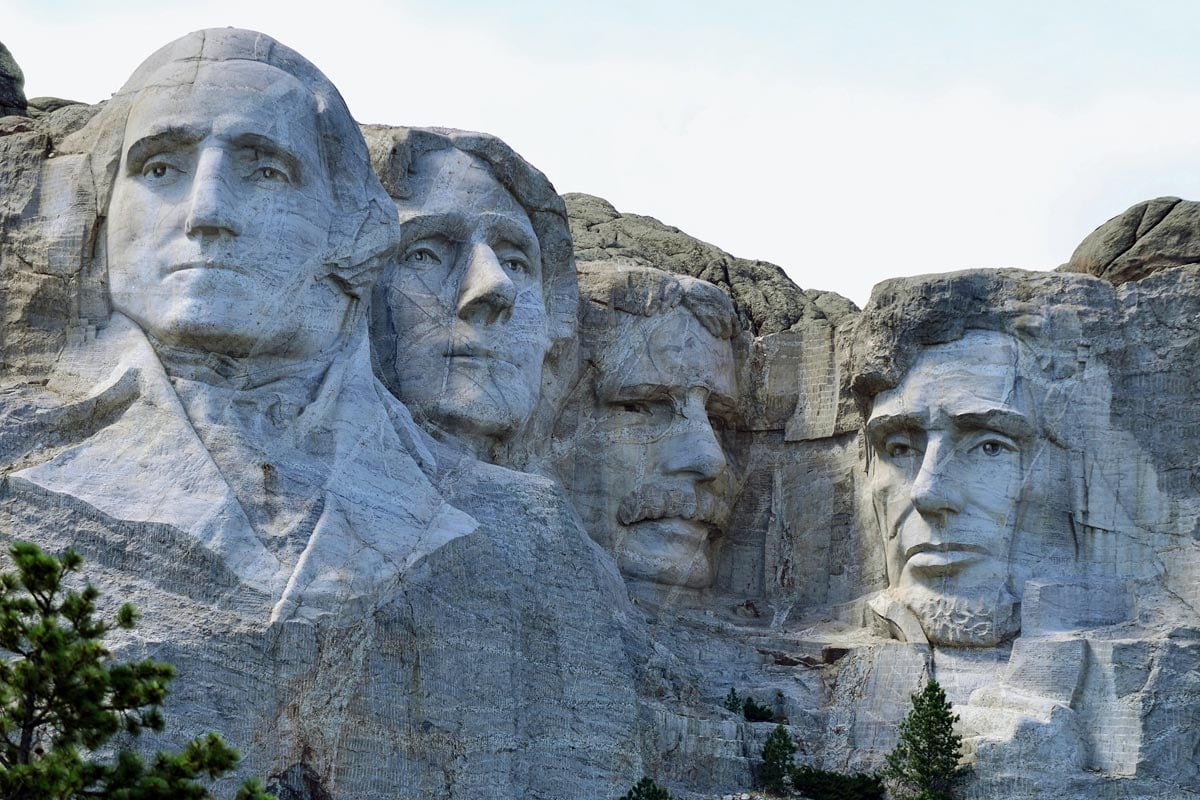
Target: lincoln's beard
[(979, 618)]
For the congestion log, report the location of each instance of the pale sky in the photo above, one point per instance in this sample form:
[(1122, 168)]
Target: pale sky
[(847, 142)]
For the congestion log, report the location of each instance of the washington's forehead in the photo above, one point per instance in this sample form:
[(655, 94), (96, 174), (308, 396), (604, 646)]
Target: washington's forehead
[(450, 180), (227, 95)]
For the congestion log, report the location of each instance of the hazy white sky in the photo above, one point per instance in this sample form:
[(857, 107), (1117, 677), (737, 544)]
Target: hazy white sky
[(846, 142)]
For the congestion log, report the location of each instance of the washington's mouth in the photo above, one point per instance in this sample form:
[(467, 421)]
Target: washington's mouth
[(678, 527)]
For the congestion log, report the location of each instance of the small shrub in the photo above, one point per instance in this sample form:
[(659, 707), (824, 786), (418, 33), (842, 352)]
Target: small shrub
[(646, 789), (819, 784), (777, 760), (754, 711), (732, 701)]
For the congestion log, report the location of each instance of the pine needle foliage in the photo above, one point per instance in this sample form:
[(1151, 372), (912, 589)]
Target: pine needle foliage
[(647, 789), (777, 754), (62, 697), (924, 765), (732, 702)]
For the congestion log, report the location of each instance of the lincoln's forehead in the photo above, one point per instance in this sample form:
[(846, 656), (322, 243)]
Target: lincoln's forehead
[(971, 375)]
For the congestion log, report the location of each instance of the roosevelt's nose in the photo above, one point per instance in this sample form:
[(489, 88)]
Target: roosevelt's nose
[(695, 450), (936, 491), (487, 293), (211, 210)]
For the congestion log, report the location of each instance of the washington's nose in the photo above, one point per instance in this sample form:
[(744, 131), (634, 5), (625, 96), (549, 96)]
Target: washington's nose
[(935, 491), (695, 450), (211, 209), (487, 294)]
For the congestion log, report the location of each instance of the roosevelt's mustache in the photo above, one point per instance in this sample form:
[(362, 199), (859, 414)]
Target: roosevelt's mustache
[(659, 502)]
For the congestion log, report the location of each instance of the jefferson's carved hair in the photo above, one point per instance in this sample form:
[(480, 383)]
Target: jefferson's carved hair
[(364, 227)]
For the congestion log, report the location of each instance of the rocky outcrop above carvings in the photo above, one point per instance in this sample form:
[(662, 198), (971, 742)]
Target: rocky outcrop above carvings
[(765, 298), (12, 85), (1148, 237)]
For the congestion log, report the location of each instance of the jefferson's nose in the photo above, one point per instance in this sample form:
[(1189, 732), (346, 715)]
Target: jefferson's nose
[(487, 293), (211, 208), (695, 450), (936, 491)]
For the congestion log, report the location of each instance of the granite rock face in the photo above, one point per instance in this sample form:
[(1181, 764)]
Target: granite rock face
[(1150, 236), (426, 500), (12, 85)]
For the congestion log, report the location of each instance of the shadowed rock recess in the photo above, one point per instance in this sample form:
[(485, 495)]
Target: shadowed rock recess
[(434, 484)]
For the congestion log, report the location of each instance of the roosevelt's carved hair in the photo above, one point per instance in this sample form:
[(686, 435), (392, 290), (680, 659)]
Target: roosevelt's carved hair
[(607, 287)]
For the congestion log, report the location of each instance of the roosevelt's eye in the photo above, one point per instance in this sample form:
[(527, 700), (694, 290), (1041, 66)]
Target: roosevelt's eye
[(422, 257)]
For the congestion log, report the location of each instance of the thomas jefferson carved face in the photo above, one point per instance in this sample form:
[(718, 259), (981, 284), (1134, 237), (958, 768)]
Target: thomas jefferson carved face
[(648, 470), (950, 448), (220, 215), (465, 302)]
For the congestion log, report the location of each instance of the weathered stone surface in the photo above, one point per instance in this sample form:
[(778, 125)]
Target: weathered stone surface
[(1150, 236), (766, 300), (986, 477), (12, 85)]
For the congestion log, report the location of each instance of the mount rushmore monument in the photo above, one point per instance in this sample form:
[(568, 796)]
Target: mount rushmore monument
[(433, 483)]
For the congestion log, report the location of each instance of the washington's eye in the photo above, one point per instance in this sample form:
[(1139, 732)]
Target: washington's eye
[(635, 407), (993, 447)]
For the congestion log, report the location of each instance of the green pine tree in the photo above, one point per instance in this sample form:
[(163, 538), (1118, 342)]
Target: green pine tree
[(732, 701), (62, 697), (777, 760), (924, 764), (646, 789)]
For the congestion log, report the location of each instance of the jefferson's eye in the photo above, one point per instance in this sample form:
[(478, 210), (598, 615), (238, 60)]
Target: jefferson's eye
[(272, 174), (516, 265)]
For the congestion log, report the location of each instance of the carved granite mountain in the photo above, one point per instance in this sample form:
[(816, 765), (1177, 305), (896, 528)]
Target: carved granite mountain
[(765, 298), (1150, 236)]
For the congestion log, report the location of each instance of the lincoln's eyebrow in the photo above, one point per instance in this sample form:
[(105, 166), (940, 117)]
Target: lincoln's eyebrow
[(1002, 420), (265, 144), (885, 424), (160, 140)]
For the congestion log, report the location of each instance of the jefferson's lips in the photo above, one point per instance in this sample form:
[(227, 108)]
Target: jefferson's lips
[(208, 265)]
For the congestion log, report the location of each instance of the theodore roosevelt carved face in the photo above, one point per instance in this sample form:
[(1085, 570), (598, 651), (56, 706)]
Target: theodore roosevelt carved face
[(950, 448), (219, 220), (648, 468)]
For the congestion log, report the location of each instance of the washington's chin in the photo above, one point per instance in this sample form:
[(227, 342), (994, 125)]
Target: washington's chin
[(669, 551), (192, 325)]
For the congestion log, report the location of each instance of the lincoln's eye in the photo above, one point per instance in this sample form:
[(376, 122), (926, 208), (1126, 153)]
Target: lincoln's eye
[(159, 171), (899, 450), (992, 448)]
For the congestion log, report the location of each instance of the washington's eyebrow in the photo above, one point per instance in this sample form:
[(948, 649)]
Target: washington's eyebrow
[(159, 141), (1006, 421), (265, 144)]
